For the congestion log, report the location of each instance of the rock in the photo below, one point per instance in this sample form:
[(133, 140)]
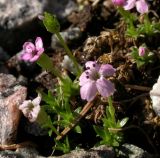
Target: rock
[(61, 8), (97, 152), (69, 35), (46, 79), (35, 129), (26, 152), (18, 66), (132, 151), (11, 96), (19, 22), (9, 154)]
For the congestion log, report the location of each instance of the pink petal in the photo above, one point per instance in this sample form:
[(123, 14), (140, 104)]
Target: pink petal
[(88, 91), (129, 4), (83, 79), (40, 51), (105, 87), (35, 58), (141, 51), (142, 6), (119, 2), (26, 56), (92, 65), (106, 70), (37, 100), (25, 104), (39, 43), (28, 47), (38, 54), (34, 114)]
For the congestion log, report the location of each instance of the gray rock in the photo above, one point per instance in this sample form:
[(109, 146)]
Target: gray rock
[(14, 13), (132, 151), (69, 36), (35, 129), (97, 152), (19, 22), (9, 154), (11, 96), (61, 8), (26, 152)]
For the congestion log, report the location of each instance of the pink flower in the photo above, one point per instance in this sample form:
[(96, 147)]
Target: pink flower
[(32, 52), (141, 5), (93, 80), (31, 109), (142, 51), (119, 2)]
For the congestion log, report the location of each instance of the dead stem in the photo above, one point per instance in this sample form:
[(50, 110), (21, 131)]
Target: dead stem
[(132, 99), (85, 109), (136, 87), (16, 146)]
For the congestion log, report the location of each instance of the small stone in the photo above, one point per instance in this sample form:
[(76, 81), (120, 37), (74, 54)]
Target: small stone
[(70, 35), (132, 151), (102, 151), (28, 152), (61, 8), (11, 96)]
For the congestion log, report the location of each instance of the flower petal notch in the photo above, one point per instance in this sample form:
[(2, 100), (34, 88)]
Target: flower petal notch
[(94, 80), (31, 52), (155, 97)]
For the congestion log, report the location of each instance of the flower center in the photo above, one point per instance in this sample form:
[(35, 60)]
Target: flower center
[(92, 74)]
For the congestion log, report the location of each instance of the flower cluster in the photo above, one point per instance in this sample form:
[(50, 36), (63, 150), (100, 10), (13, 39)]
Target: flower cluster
[(32, 52), (31, 109), (93, 80), (141, 5)]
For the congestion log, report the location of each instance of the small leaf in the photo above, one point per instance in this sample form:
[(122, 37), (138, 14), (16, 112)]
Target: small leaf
[(124, 121), (100, 132), (45, 62), (78, 129), (51, 23)]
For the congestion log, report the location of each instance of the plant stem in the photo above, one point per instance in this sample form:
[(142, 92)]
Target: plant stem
[(69, 52), (85, 109), (45, 62)]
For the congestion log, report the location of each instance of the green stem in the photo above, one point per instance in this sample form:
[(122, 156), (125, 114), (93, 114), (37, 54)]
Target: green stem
[(45, 62), (147, 25), (69, 52), (110, 101), (111, 109), (129, 19)]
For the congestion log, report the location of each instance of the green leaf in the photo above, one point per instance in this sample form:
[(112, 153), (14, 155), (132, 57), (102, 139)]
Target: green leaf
[(78, 129), (124, 121), (45, 62), (100, 131), (51, 23)]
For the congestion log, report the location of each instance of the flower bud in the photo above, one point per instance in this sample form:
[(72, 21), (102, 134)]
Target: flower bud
[(119, 2), (142, 51)]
